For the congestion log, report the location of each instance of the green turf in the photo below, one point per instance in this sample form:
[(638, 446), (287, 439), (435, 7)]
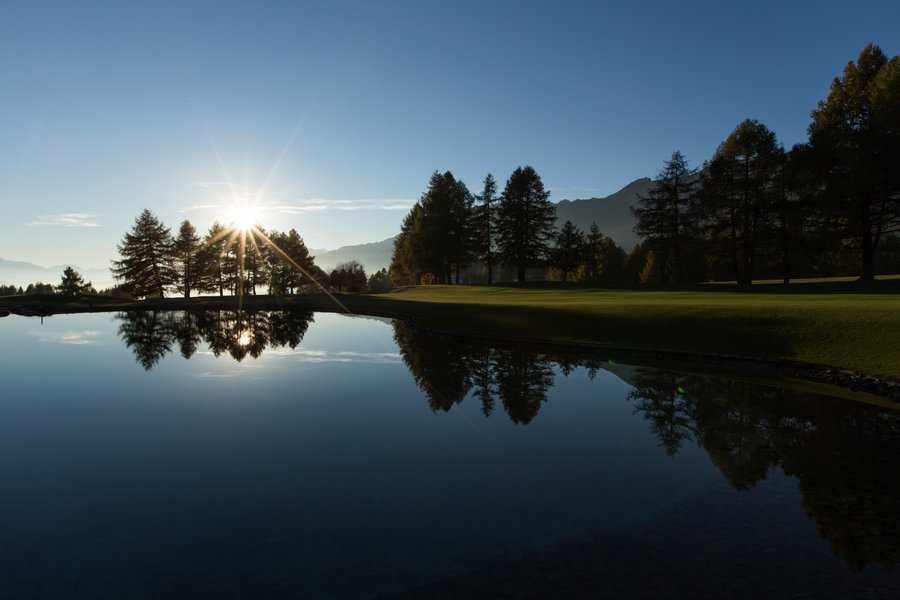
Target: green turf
[(858, 331)]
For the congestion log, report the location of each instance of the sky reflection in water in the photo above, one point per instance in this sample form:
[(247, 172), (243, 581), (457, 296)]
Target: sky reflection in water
[(327, 456)]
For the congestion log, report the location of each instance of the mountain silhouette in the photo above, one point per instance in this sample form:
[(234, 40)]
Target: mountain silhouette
[(17, 272), (612, 213), (373, 256)]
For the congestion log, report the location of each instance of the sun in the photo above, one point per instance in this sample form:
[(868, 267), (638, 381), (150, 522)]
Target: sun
[(243, 217)]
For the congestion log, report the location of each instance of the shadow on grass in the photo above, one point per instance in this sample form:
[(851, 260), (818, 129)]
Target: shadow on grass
[(880, 286), (693, 332)]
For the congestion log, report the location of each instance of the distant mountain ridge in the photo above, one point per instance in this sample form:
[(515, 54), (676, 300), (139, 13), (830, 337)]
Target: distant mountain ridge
[(373, 256), (21, 273), (611, 213)]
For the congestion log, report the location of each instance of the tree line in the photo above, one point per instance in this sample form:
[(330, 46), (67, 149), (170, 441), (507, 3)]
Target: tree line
[(754, 202), (154, 262), (71, 283), (755, 206), (446, 231), (826, 206)]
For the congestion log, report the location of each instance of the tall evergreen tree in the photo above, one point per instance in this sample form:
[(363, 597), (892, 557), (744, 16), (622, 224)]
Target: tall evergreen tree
[(855, 134), (739, 195), (446, 214), (72, 283), (663, 215), (146, 267), (278, 269), (254, 265), (291, 252), (569, 251), (215, 244), (188, 259), (437, 236), (592, 254), (524, 224), (407, 266), (484, 220), (463, 226)]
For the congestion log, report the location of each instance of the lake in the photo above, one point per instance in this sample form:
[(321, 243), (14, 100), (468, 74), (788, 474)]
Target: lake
[(304, 455)]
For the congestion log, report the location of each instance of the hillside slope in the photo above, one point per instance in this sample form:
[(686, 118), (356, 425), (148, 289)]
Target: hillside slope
[(611, 213)]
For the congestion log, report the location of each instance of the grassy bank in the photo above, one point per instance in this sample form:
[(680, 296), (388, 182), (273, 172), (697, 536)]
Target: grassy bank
[(839, 324), (858, 331)]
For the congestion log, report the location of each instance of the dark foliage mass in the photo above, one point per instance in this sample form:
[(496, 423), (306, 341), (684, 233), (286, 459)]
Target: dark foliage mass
[(224, 260), (348, 277), (151, 335), (446, 232), (827, 207), (439, 236)]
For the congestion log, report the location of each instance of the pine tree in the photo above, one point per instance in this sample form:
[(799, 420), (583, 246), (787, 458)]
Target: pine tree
[(740, 196), (438, 235), (445, 226), (146, 267), (215, 244), (73, 283), (297, 251), (663, 215), (524, 224), (407, 266), (188, 259), (484, 220), (593, 254), (855, 135), (569, 251)]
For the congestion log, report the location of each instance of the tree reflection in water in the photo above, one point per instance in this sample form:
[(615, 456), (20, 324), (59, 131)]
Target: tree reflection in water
[(448, 372), (151, 334), (845, 455)]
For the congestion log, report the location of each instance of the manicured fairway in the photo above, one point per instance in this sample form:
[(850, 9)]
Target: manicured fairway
[(858, 331)]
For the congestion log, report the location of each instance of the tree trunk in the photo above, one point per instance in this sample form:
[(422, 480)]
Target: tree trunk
[(868, 257), (661, 261), (867, 245), (679, 274)]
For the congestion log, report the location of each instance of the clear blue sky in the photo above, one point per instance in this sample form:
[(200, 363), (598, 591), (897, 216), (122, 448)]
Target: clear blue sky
[(345, 109)]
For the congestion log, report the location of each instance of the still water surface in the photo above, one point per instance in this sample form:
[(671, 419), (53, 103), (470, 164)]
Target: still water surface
[(300, 455)]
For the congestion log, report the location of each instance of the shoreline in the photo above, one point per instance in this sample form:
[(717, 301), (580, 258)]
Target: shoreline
[(761, 369)]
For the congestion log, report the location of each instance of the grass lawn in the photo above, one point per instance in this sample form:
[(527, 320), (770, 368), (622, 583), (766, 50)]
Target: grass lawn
[(858, 331)]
